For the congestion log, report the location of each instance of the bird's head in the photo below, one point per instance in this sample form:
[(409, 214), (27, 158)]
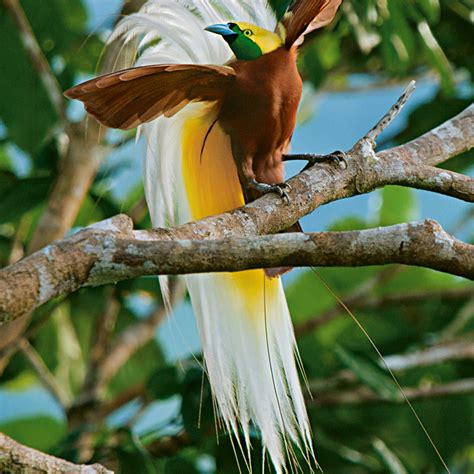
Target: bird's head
[(247, 41)]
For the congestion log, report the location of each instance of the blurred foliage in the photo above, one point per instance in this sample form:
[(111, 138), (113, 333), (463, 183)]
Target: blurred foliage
[(384, 42)]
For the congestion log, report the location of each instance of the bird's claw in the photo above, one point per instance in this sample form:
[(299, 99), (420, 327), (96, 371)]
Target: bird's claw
[(281, 189), (338, 157)]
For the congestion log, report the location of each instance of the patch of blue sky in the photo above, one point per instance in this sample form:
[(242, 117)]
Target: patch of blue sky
[(158, 418), (34, 401), (102, 13)]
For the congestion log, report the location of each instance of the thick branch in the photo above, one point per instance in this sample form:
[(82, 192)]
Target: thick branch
[(325, 183), (96, 258), (16, 458), (112, 252), (437, 180)]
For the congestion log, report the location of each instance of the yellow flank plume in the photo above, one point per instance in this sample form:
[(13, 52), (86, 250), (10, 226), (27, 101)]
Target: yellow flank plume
[(213, 187), (266, 40)]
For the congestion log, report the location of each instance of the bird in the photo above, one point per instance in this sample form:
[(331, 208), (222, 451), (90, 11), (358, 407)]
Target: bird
[(215, 91)]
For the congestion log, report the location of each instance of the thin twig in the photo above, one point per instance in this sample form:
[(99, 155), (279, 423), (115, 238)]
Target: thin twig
[(363, 395), (101, 338), (361, 299), (436, 354), (392, 113), (44, 374), (135, 337), (465, 315)]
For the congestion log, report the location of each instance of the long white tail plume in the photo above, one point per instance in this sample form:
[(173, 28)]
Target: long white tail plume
[(243, 318)]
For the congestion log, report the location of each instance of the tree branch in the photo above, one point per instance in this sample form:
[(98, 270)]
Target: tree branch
[(325, 183), (135, 337), (100, 343), (437, 354), (437, 180), (16, 458), (112, 251), (44, 374), (362, 298), (82, 154), (363, 395)]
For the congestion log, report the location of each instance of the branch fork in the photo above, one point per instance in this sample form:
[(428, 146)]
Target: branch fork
[(237, 240)]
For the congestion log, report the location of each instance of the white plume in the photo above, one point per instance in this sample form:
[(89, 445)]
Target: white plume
[(249, 352)]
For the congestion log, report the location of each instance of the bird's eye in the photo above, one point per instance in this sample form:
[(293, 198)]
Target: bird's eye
[(248, 32)]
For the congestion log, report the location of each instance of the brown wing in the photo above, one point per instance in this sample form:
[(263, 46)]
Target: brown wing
[(305, 16), (128, 98)]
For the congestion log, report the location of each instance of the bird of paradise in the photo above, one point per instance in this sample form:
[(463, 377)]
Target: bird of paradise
[(219, 114)]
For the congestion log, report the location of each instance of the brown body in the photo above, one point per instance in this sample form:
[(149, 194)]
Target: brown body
[(258, 99), (259, 114)]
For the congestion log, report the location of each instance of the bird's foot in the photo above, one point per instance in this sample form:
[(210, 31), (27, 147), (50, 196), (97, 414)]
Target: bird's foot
[(281, 189), (337, 157)]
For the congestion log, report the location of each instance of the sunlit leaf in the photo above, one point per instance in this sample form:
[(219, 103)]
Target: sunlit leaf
[(40, 432), (390, 461), (437, 57), (369, 373), (399, 204)]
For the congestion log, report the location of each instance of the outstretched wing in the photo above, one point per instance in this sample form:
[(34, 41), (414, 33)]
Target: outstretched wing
[(304, 16), (128, 98)]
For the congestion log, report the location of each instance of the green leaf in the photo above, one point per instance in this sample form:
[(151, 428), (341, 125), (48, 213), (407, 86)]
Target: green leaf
[(18, 196), (399, 204), (5, 250), (437, 57), (139, 367), (180, 465), (398, 41), (164, 383), (40, 432), (197, 402), (307, 296), (348, 223), (74, 14), (431, 9), (329, 50), (311, 66), (368, 373), (89, 213), (56, 23), (280, 6), (390, 461), (5, 160), (26, 109), (20, 383), (133, 456)]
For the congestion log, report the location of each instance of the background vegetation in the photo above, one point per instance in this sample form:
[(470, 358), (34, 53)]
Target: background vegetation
[(142, 415)]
